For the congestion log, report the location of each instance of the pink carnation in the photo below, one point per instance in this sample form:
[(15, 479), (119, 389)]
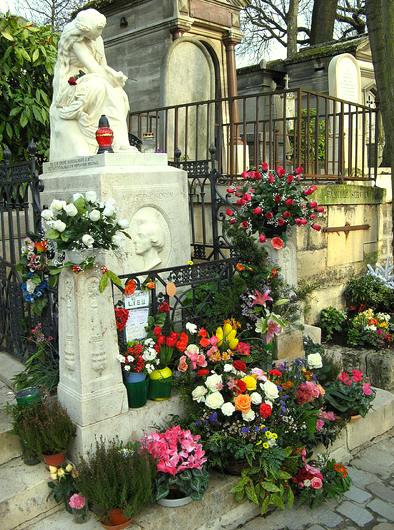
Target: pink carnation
[(319, 425), (77, 501)]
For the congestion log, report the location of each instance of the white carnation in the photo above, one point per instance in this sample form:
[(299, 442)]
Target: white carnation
[(47, 214), (314, 361), (229, 368), (214, 382), (108, 210), (256, 398), (87, 240), (59, 225), (249, 416), (121, 358), (270, 390), (127, 368), (214, 400), (199, 393), (94, 215), (117, 239), (91, 196), (70, 210), (227, 409)]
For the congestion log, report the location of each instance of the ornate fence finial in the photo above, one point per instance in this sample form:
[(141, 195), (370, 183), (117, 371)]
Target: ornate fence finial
[(177, 155), (32, 148)]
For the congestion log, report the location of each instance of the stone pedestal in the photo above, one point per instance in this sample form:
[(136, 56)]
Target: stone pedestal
[(151, 195)]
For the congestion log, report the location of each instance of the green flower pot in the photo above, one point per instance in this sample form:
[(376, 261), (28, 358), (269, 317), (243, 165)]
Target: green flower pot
[(28, 397), (137, 390), (160, 384)]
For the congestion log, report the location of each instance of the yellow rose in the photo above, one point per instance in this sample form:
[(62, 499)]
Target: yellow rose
[(69, 468), (52, 469), (53, 475), (250, 382), (60, 472)]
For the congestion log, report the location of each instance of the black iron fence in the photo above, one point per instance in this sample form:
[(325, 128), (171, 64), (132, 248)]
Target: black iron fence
[(331, 138), (20, 214)]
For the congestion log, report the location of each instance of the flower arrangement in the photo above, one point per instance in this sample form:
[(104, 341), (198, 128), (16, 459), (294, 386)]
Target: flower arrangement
[(62, 483), (317, 481), (139, 357), (370, 329), (351, 394), (167, 341), (79, 507), (269, 201), (84, 223), (180, 461)]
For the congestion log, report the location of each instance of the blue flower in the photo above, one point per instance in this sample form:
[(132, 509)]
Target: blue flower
[(245, 430), (213, 418)]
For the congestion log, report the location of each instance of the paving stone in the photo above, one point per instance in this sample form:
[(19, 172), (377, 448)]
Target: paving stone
[(380, 490), (358, 495), (375, 461), (361, 478), (329, 518), (356, 513), (315, 527), (382, 508), (383, 526)]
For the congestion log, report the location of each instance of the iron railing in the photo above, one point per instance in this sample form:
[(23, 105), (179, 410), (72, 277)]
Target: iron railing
[(20, 214), (331, 138)]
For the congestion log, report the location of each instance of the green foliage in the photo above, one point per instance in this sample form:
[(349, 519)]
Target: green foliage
[(267, 482), (369, 292), (117, 476), (190, 483), (331, 321), (27, 59), (349, 399), (46, 427)]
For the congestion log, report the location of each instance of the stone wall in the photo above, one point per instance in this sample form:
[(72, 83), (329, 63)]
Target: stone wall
[(330, 259)]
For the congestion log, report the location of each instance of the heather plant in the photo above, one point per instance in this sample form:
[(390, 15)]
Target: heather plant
[(117, 476)]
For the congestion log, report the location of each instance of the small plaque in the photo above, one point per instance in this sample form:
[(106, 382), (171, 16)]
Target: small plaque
[(171, 289), (138, 305), (136, 300)]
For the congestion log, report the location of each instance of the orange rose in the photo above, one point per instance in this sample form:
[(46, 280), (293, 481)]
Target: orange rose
[(243, 403), (130, 287), (239, 267)]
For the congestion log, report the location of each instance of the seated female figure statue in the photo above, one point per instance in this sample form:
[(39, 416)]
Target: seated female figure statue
[(84, 88)]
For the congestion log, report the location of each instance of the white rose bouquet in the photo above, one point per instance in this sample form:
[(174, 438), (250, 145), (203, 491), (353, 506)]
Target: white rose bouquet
[(84, 223)]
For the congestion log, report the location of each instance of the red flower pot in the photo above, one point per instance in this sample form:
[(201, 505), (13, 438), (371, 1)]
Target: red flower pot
[(54, 460), (117, 520)]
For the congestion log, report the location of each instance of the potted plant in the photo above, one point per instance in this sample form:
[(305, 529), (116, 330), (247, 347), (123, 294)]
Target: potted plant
[(167, 341), (350, 395), (49, 430), (79, 508), (180, 461), (62, 484), (118, 480), (269, 201), (139, 360), (24, 427)]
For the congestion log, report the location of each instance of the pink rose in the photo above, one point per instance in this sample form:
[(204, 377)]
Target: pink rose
[(367, 390), (316, 483), (77, 501)]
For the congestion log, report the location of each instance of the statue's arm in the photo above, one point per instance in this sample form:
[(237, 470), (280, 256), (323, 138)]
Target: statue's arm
[(86, 58)]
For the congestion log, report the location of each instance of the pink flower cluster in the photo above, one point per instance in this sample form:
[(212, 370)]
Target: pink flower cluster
[(307, 392), (309, 477), (348, 380), (175, 450), (77, 501), (324, 416), (193, 357)]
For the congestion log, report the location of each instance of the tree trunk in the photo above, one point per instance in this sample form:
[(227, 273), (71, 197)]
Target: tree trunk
[(292, 27), (380, 21), (323, 20)]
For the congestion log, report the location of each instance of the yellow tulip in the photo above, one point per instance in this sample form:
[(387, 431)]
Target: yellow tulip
[(52, 469), (233, 343), (231, 335), (227, 329), (250, 382), (219, 334)]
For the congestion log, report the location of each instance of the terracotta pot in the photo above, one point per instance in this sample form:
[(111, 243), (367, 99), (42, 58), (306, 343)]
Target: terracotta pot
[(116, 526), (54, 460), (116, 516)]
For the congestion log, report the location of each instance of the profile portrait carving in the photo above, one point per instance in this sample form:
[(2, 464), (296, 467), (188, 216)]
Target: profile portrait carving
[(150, 238)]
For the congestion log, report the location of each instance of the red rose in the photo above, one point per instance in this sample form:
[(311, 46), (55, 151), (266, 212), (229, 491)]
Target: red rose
[(171, 341), (313, 204), (202, 332), (280, 171), (264, 166), (290, 179), (277, 243), (229, 212), (275, 372), (299, 170), (265, 410), (139, 364), (281, 221), (269, 215), (277, 198), (241, 386), (164, 307), (240, 366), (286, 214), (232, 221), (271, 178), (72, 81), (312, 216), (121, 317), (289, 202), (243, 348), (262, 238), (245, 225), (320, 209), (257, 210), (202, 372), (317, 227)]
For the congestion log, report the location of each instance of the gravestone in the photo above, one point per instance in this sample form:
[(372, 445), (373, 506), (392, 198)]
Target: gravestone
[(344, 82)]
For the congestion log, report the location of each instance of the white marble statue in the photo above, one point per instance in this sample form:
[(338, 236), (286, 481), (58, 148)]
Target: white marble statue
[(79, 100)]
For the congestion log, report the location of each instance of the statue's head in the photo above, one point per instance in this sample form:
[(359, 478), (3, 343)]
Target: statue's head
[(90, 22)]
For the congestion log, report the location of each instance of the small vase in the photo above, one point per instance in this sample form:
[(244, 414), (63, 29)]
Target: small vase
[(137, 389), (81, 516), (174, 503), (55, 460), (160, 384), (28, 397)]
